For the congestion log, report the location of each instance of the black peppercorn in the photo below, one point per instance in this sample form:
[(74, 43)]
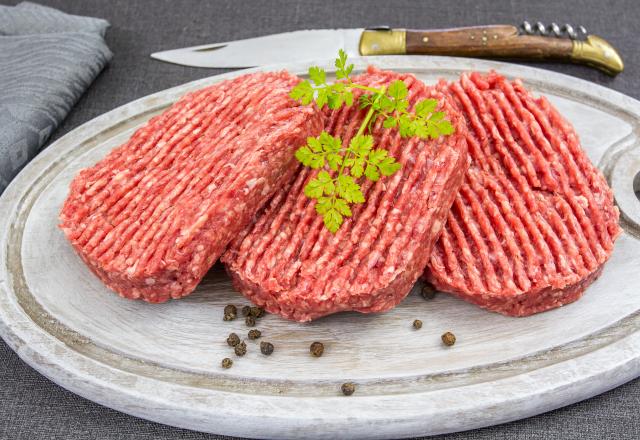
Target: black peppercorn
[(266, 348), (230, 312), (233, 340), (428, 292), (254, 334), (240, 349), (417, 324), (250, 321), (448, 339), (316, 349), (227, 363), (246, 310), (348, 388), (256, 312)]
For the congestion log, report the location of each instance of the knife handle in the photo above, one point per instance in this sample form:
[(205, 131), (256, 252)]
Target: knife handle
[(487, 41), (495, 41)]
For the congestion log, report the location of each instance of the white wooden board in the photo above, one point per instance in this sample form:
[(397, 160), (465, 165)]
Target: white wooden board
[(162, 362)]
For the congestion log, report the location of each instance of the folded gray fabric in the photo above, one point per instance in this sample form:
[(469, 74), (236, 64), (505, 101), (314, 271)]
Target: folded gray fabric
[(47, 61)]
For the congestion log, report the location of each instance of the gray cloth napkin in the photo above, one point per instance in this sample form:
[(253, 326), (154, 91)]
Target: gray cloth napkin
[(47, 61)]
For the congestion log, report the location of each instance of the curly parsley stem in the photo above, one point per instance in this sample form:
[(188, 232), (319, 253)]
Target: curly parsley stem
[(368, 89), (364, 124)]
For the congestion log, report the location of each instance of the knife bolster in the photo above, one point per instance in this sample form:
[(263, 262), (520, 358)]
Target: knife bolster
[(383, 42)]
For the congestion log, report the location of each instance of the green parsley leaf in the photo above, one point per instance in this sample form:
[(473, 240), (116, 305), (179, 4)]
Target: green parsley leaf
[(425, 107), (348, 98), (398, 90), (330, 143), (335, 101), (304, 155), (390, 122), (321, 184), (323, 204), (342, 207), (384, 104), (317, 75), (327, 182), (388, 166), (342, 69), (361, 145), (366, 101), (357, 167), (315, 144), (371, 172), (376, 156), (401, 106), (314, 189), (322, 97), (445, 127), (332, 220), (334, 160), (303, 92), (405, 126), (348, 189)]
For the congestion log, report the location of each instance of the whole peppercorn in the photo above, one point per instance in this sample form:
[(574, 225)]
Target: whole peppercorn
[(348, 388), (448, 339), (316, 349), (254, 334), (233, 340), (256, 312), (266, 348), (230, 312), (250, 321), (227, 363), (417, 324), (240, 349), (245, 311), (228, 317), (428, 292)]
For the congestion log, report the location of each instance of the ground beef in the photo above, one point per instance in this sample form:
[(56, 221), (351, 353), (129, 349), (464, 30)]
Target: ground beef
[(290, 264), (534, 220), (153, 216)]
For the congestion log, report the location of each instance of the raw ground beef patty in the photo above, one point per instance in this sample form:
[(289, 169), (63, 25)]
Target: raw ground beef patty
[(153, 216), (290, 264), (534, 220)]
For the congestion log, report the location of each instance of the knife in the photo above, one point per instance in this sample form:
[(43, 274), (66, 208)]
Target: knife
[(528, 42)]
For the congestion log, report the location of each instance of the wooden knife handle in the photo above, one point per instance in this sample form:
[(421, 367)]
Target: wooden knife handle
[(498, 41), (495, 41)]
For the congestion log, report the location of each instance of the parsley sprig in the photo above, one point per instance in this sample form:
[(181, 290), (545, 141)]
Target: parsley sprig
[(335, 192)]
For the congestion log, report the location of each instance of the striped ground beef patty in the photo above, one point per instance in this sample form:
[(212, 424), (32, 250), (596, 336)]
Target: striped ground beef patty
[(534, 220), (289, 263), (153, 216)]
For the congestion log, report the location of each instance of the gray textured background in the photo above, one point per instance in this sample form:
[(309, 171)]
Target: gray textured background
[(31, 407)]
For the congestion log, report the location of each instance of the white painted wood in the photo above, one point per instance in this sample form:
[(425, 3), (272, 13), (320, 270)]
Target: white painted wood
[(162, 362)]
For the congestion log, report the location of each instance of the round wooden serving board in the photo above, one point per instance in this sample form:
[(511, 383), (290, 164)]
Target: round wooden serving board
[(162, 362)]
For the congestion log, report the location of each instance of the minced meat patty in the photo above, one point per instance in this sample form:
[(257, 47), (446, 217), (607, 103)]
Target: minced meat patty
[(154, 215), (290, 264), (534, 220)]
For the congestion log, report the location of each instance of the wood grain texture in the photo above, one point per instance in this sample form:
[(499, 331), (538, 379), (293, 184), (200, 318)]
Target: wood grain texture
[(162, 362), (498, 41)]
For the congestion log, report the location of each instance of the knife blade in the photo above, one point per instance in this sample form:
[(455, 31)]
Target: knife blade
[(493, 41), (270, 49)]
